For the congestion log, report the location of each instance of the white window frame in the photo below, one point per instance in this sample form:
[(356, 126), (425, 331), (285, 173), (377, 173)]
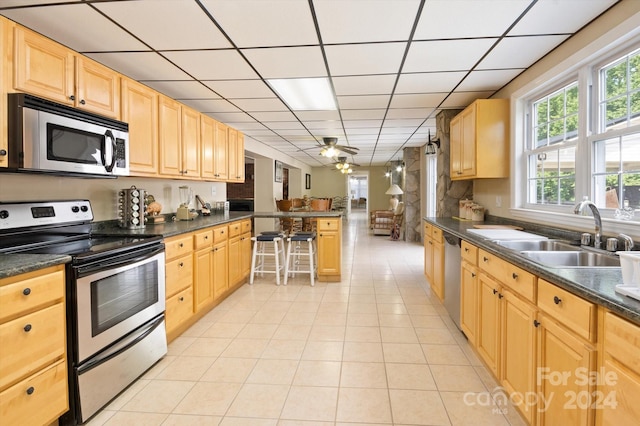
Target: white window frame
[(584, 63)]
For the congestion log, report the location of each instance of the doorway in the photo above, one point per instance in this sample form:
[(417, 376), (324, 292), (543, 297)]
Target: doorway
[(358, 190)]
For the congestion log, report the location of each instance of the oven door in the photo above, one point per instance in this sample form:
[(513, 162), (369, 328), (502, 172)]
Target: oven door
[(115, 296)]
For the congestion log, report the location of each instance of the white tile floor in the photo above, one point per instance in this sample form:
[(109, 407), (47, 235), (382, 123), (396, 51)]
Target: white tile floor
[(374, 349)]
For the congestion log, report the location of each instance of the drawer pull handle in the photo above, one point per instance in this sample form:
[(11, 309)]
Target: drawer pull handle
[(181, 264), (466, 249), (26, 291), (515, 276), (30, 390), (27, 328), (556, 300), (181, 299), (206, 237), (473, 275), (500, 295), (485, 259), (495, 291), (536, 323), (181, 245)]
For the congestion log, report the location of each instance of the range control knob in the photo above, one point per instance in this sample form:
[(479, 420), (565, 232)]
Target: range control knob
[(75, 209), (4, 214)]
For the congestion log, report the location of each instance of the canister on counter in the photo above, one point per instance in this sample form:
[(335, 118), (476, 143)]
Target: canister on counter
[(477, 213)]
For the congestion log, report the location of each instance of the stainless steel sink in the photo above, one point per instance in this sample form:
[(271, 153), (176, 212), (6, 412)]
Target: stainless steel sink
[(537, 245), (572, 259)]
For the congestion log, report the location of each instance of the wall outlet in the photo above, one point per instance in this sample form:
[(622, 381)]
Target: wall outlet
[(498, 201), (213, 191)]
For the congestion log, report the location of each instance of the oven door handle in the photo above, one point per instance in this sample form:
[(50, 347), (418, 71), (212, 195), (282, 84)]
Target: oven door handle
[(117, 261), (121, 346)]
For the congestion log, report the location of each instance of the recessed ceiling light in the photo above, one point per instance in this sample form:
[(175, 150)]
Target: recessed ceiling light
[(305, 94)]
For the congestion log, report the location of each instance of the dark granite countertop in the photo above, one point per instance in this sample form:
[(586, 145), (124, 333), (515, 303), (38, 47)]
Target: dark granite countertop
[(594, 284), (16, 264)]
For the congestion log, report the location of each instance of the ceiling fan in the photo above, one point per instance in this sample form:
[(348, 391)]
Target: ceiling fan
[(331, 148), (344, 166)]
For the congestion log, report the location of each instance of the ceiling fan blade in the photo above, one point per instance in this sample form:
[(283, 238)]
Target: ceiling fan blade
[(312, 147), (348, 150)]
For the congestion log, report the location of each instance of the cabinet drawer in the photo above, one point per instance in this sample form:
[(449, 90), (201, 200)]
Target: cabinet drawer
[(178, 246), (179, 274), (179, 308), (328, 224), (427, 230), (30, 342), (202, 239), (622, 341), (235, 229), (520, 281), (436, 234), (220, 233), (27, 292), (40, 399), (570, 310), (246, 226), (490, 264), (469, 252)]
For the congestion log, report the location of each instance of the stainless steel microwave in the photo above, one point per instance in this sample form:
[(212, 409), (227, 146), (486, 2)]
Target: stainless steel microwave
[(48, 137)]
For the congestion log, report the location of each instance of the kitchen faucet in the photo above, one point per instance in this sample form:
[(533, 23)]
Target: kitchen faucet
[(579, 208), (628, 241)]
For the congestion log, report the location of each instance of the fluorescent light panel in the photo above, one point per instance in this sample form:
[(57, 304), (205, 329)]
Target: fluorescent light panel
[(305, 94)]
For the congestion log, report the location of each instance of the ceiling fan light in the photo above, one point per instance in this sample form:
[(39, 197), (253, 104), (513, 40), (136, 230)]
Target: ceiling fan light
[(346, 165), (330, 152), (339, 166)]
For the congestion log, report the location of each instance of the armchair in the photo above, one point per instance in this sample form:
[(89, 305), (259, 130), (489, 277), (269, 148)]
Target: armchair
[(383, 221)]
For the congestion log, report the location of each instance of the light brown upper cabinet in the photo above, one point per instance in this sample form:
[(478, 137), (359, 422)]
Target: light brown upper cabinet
[(208, 144), (480, 140), (5, 72), (179, 139), (140, 110), (235, 154), (47, 69), (221, 152)]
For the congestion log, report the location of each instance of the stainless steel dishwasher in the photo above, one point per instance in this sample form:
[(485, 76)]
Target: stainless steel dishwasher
[(452, 260)]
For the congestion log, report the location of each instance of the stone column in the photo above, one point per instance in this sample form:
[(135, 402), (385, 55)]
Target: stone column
[(448, 192), (411, 196)]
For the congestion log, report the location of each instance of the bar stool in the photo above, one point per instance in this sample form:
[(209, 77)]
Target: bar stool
[(265, 245), (295, 252)]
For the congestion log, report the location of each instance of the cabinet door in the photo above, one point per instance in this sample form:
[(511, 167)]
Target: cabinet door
[(170, 136), (437, 279), (220, 153), (245, 254), (97, 88), (5, 85), (328, 253), (518, 348), (240, 158), (235, 261), (561, 358), (220, 269), (190, 143), (207, 142), (468, 158), (469, 301), (428, 259), (203, 280), (488, 339), (455, 146), (43, 67), (179, 309), (140, 110), (232, 154)]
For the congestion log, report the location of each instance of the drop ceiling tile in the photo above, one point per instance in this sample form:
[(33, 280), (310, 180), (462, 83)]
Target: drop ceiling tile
[(212, 64), (141, 66), (349, 21), (460, 100), (13, 3), (231, 117), (327, 124), (488, 79), (363, 101), (317, 115), (272, 23), (166, 25), (292, 132), (397, 131), (355, 114), (354, 131), (429, 82), (471, 18), (90, 31), (353, 124), (363, 59), (520, 52), (183, 89), (240, 89), (364, 84), (287, 62), (210, 105), (273, 116), (437, 55), (283, 125), (415, 122), (260, 105), (409, 113), (248, 126), (556, 17), (426, 100)]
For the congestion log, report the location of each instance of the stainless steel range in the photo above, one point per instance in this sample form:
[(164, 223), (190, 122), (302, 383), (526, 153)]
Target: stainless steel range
[(115, 297)]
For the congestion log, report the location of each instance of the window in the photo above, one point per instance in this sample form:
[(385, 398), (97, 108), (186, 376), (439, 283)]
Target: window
[(551, 149)]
